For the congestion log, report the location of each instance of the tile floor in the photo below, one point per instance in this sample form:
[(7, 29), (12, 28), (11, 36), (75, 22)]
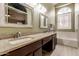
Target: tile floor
[(62, 50)]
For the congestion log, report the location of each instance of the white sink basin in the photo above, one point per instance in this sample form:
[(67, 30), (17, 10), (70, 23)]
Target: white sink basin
[(17, 41)]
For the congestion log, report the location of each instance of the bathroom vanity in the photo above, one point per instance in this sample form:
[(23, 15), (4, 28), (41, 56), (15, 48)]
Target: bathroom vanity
[(35, 46), (20, 15)]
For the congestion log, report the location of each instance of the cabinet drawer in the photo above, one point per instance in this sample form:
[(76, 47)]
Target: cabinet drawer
[(26, 49), (36, 45), (47, 39)]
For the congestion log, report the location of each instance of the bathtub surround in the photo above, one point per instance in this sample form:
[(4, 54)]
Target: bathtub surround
[(68, 38)]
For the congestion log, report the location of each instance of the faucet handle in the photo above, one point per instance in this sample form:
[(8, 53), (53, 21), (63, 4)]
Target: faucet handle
[(19, 34)]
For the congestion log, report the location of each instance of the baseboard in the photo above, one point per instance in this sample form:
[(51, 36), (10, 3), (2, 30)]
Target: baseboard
[(70, 43)]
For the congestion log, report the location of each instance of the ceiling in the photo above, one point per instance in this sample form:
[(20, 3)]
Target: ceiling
[(48, 5)]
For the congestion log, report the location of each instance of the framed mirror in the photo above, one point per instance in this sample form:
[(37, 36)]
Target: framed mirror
[(17, 15), (43, 21)]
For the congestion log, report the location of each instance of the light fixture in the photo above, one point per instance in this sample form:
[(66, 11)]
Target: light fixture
[(41, 8)]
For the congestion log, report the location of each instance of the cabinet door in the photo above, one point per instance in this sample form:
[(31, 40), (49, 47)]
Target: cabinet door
[(55, 40), (54, 43), (38, 52)]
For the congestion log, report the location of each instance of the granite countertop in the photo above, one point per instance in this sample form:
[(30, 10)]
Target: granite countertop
[(6, 47)]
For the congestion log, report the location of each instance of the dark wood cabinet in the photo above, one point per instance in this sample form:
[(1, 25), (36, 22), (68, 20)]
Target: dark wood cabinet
[(47, 46), (46, 39), (49, 43), (38, 52), (55, 37), (54, 41), (53, 44), (30, 54)]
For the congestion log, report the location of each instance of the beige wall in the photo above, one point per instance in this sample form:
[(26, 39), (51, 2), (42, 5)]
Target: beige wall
[(51, 12), (51, 15), (77, 20), (76, 15), (35, 28)]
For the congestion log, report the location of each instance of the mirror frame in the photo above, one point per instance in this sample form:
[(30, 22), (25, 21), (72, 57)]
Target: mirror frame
[(43, 23)]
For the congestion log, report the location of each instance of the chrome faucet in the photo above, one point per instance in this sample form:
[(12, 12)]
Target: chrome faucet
[(18, 34)]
